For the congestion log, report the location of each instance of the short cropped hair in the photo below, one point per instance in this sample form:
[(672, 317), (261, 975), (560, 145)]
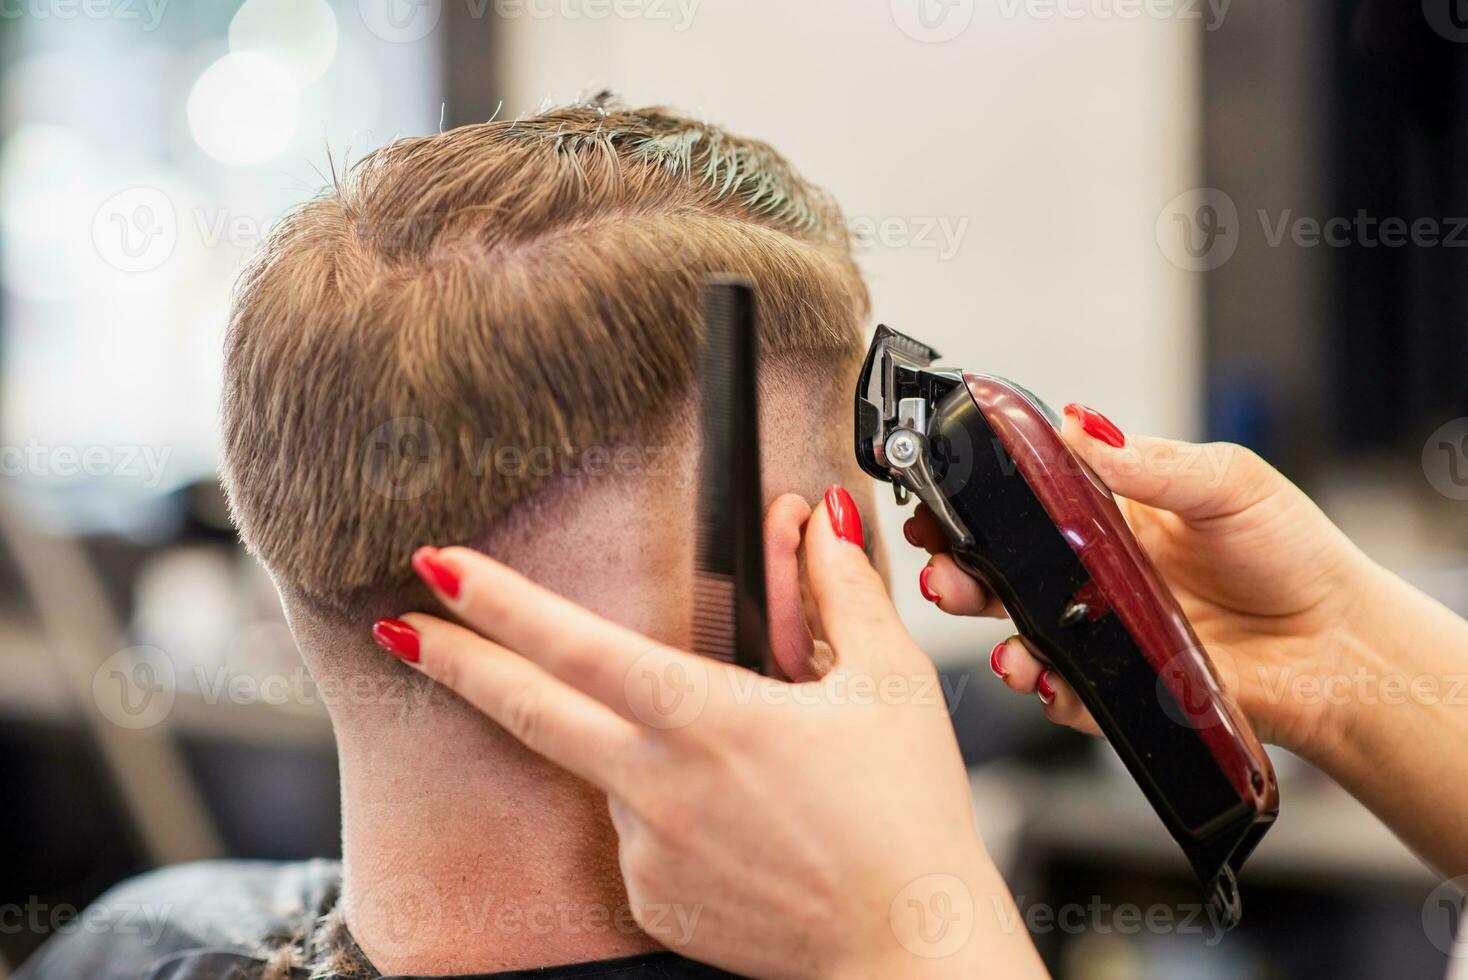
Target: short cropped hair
[(493, 292)]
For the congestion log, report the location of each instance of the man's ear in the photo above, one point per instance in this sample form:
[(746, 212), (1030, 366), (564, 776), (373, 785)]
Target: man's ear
[(791, 645)]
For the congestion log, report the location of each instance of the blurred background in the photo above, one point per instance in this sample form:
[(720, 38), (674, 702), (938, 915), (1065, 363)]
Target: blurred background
[(1236, 220)]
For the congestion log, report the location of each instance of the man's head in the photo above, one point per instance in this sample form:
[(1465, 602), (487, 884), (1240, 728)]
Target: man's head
[(471, 329)]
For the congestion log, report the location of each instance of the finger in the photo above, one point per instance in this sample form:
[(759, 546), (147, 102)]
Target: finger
[(1024, 673), (955, 591), (1013, 662), (856, 613), (615, 665), (1062, 705), (549, 717), (1194, 480), (922, 530), (792, 648)]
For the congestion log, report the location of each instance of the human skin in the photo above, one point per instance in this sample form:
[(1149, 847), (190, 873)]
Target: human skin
[(1275, 591), (464, 852), (817, 829)]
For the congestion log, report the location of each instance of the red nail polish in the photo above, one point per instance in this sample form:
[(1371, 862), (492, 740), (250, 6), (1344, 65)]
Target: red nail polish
[(1096, 425), (436, 572), (397, 638), (994, 659), (925, 588), (1046, 689), (907, 532), (845, 520)]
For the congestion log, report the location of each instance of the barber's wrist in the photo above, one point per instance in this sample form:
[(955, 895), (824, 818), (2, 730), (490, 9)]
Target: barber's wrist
[(954, 924), (1285, 672), (1379, 668)]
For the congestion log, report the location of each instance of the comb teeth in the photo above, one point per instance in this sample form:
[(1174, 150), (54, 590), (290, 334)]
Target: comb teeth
[(713, 616)]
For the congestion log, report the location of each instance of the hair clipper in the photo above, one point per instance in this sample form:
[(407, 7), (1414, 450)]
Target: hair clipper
[(1024, 515)]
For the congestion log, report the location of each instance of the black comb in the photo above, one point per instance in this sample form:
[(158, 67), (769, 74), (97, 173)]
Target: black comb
[(730, 622)]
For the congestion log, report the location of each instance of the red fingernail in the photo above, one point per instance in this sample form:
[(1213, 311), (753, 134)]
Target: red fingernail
[(436, 572), (1046, 689), (907, 532), (994, 659), (845, 520), (397, 638), (925, 588), (1096, 425)]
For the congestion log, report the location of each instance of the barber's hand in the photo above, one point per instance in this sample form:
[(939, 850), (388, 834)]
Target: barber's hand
[(1270, 585), (808, 830)]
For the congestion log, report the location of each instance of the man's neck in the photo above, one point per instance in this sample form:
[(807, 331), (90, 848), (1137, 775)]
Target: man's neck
[(477, 859), (464, 852)]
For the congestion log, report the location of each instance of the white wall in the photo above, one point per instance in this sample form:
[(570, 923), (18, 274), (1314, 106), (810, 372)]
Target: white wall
[(1052, 143)]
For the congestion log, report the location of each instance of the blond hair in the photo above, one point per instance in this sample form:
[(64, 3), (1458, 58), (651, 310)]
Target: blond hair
[(531, 285)]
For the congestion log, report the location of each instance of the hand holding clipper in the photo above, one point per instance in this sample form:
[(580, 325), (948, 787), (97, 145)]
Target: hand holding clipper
[(1025, 516)]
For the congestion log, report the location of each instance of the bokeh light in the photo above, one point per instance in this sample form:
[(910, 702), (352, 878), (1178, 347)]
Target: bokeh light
[(299, 35), (244, 109)]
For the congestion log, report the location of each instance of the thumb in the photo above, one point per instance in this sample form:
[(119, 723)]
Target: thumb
[(1196, 481), (856, 613)]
